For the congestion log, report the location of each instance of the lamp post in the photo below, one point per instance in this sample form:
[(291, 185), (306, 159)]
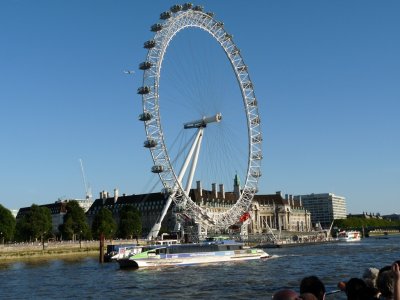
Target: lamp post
[(43, 239), (80, 239), (2, 238)]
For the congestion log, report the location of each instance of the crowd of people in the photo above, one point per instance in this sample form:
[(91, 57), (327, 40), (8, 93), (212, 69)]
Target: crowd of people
[(383, 284)]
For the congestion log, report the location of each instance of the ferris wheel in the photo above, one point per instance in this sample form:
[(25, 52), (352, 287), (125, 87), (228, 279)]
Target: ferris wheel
[(177, 181)]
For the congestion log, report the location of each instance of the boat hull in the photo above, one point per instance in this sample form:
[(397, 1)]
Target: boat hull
[(185, 259)]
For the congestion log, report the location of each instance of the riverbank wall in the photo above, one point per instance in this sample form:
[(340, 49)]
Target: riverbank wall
[(53, 249)]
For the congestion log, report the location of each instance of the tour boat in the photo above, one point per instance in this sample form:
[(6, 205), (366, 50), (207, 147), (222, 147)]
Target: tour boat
[(191, 254), (349, 236)]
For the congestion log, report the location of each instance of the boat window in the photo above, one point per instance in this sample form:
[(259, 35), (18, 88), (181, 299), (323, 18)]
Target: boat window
[(161, 251)]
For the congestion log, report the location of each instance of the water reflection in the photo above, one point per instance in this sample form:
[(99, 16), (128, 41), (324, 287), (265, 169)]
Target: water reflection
[(84, 277)]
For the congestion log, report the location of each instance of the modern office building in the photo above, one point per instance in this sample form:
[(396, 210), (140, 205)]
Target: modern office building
[(324, 208)]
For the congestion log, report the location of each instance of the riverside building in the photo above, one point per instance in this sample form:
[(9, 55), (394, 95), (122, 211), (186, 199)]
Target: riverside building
[(267, 211), (324, 207)]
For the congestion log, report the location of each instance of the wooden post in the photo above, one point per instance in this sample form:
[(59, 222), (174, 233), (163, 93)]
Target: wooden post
[(101, 257)]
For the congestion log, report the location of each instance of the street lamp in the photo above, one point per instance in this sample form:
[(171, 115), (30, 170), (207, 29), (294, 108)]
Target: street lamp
[(80, 239), (2, 238), (43, 239)]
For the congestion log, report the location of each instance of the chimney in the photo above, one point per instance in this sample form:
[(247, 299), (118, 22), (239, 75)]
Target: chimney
[(199, 188), (103, 196), (115, 195), (222, 191), (214, 191), (286, 197)]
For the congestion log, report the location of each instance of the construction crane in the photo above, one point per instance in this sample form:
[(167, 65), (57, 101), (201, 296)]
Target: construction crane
[(88, 192)]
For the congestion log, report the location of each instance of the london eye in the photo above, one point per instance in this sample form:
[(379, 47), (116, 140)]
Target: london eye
[(199, 136)]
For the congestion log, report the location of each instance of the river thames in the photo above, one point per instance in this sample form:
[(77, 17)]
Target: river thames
[(85, 278)]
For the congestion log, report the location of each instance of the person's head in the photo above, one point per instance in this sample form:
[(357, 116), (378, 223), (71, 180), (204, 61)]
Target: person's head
[(285, 295), (355, 289), (369, 276), (385, 282), (308, 296), (313, 285)]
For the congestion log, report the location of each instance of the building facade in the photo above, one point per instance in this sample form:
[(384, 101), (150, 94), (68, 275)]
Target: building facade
[(277, 212), (267, 211), (324, 208), (58, 210), (149, 205)]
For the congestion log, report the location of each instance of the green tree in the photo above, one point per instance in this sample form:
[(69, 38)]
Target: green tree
[(130, 224), (7, 225), (34, 224), (75, 223), (357, 222), (104, 223)]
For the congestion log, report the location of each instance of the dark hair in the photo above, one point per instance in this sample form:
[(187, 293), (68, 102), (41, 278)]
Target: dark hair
[(313, 285), (355, 289)]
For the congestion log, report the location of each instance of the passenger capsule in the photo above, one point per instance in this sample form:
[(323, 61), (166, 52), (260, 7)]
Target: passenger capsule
[(198, 8), (210, 14), (150, 143), (165, 15), (187, 6), (146, 116), (256, 174), (156, 27), (157, 169), (176, 8), (145, 65), (150, 44), (219, 24), (143, 90)]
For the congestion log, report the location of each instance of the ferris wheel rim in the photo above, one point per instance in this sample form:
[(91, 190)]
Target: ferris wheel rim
[(175, 20)]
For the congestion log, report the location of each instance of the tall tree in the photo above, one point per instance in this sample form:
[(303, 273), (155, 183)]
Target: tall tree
[(130, 224), (104, 223), (75, 223), (7, 225), (35, 224)]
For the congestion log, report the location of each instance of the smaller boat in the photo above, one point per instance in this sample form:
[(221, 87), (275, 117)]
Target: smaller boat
[(349, 236), (191, 254)]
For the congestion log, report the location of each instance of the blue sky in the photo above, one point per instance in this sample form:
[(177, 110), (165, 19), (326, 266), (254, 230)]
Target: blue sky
[(326, 75)]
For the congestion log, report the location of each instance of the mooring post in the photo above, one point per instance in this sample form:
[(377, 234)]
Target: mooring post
[(101, 257)]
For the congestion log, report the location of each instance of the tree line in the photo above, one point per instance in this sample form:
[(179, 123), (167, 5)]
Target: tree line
[(36, 224), (358, 222)]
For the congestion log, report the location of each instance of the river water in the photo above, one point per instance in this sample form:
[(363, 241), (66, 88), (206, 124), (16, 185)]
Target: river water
[(85, 278)]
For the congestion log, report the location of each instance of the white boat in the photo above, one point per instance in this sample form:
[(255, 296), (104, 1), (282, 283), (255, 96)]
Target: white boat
[(191, 254), (349, 236)]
